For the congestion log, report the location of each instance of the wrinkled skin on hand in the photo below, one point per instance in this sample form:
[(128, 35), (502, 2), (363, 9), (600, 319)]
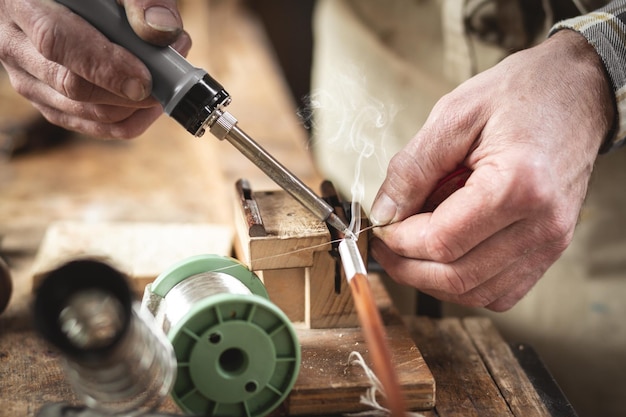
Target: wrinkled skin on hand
[(529, 129), (77, 78)]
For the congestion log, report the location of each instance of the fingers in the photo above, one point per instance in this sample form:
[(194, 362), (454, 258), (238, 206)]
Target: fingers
[(503, 291), (60, 36), (73, 74), (37, 78), (441, 145), (32, 76), (156, 21), (107, 110), (132, 126), (101, 119), (495, 280), (496, 195), (489, 242)]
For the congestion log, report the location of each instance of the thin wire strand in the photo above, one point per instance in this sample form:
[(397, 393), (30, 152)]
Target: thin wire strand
[(369, 398), (311, 247), (299, 250)]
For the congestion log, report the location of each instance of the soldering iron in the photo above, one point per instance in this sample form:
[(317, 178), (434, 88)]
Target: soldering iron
[(195, 100)]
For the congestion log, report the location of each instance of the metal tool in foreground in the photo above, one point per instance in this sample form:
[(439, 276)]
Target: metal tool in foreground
[(196, 100), (372, 326), (115, 356), (238, 354)]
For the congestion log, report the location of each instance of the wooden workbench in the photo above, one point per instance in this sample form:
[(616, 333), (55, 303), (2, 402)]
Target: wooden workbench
[(167, 176)]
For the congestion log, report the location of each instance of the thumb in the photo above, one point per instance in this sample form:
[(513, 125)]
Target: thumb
[(433, 157), (402, 190), (385, 209), (437, 151), (155, 21)]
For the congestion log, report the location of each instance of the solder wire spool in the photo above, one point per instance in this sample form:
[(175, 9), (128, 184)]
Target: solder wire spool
[(115, 356), (238, 353)]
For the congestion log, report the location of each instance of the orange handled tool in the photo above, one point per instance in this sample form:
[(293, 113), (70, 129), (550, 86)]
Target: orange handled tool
[(372, 326)]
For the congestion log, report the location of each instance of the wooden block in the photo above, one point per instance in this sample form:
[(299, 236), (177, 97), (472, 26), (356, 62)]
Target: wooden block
[(329, 309), (293, 234), (286, 288), (295, 239), (141, 250), (327, 384)]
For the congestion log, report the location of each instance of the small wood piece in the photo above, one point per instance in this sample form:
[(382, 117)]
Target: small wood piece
[(141, 250), (330, 195), (293, 234), (327, 307), (327, 384), (298, 245), (328, 310), (281, 285), (250, 209)]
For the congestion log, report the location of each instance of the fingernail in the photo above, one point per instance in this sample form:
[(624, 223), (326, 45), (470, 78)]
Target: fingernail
[(133, 89), (383, 210), (161, 19)]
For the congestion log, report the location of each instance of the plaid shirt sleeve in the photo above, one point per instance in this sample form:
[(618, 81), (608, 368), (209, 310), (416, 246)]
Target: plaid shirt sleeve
[(605, 29)]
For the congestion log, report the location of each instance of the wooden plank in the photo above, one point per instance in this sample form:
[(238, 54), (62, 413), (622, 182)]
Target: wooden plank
[(512, 381), (327, 384), (142, 250), (286, 288), (464, 386)]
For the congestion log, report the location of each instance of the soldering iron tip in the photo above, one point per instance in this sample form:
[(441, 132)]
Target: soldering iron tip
[(348, 234), (336, 222)]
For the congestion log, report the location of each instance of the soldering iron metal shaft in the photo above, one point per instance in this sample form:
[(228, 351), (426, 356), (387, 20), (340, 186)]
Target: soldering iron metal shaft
[(224, 126)]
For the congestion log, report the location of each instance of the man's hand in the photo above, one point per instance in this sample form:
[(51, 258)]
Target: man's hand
[(529, 129), (74, 75)]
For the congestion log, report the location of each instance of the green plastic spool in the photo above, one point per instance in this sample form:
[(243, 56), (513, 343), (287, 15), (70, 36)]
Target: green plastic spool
[(237, 354)]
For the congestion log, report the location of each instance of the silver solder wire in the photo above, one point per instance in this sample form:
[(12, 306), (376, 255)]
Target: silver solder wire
[(184, 295)]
